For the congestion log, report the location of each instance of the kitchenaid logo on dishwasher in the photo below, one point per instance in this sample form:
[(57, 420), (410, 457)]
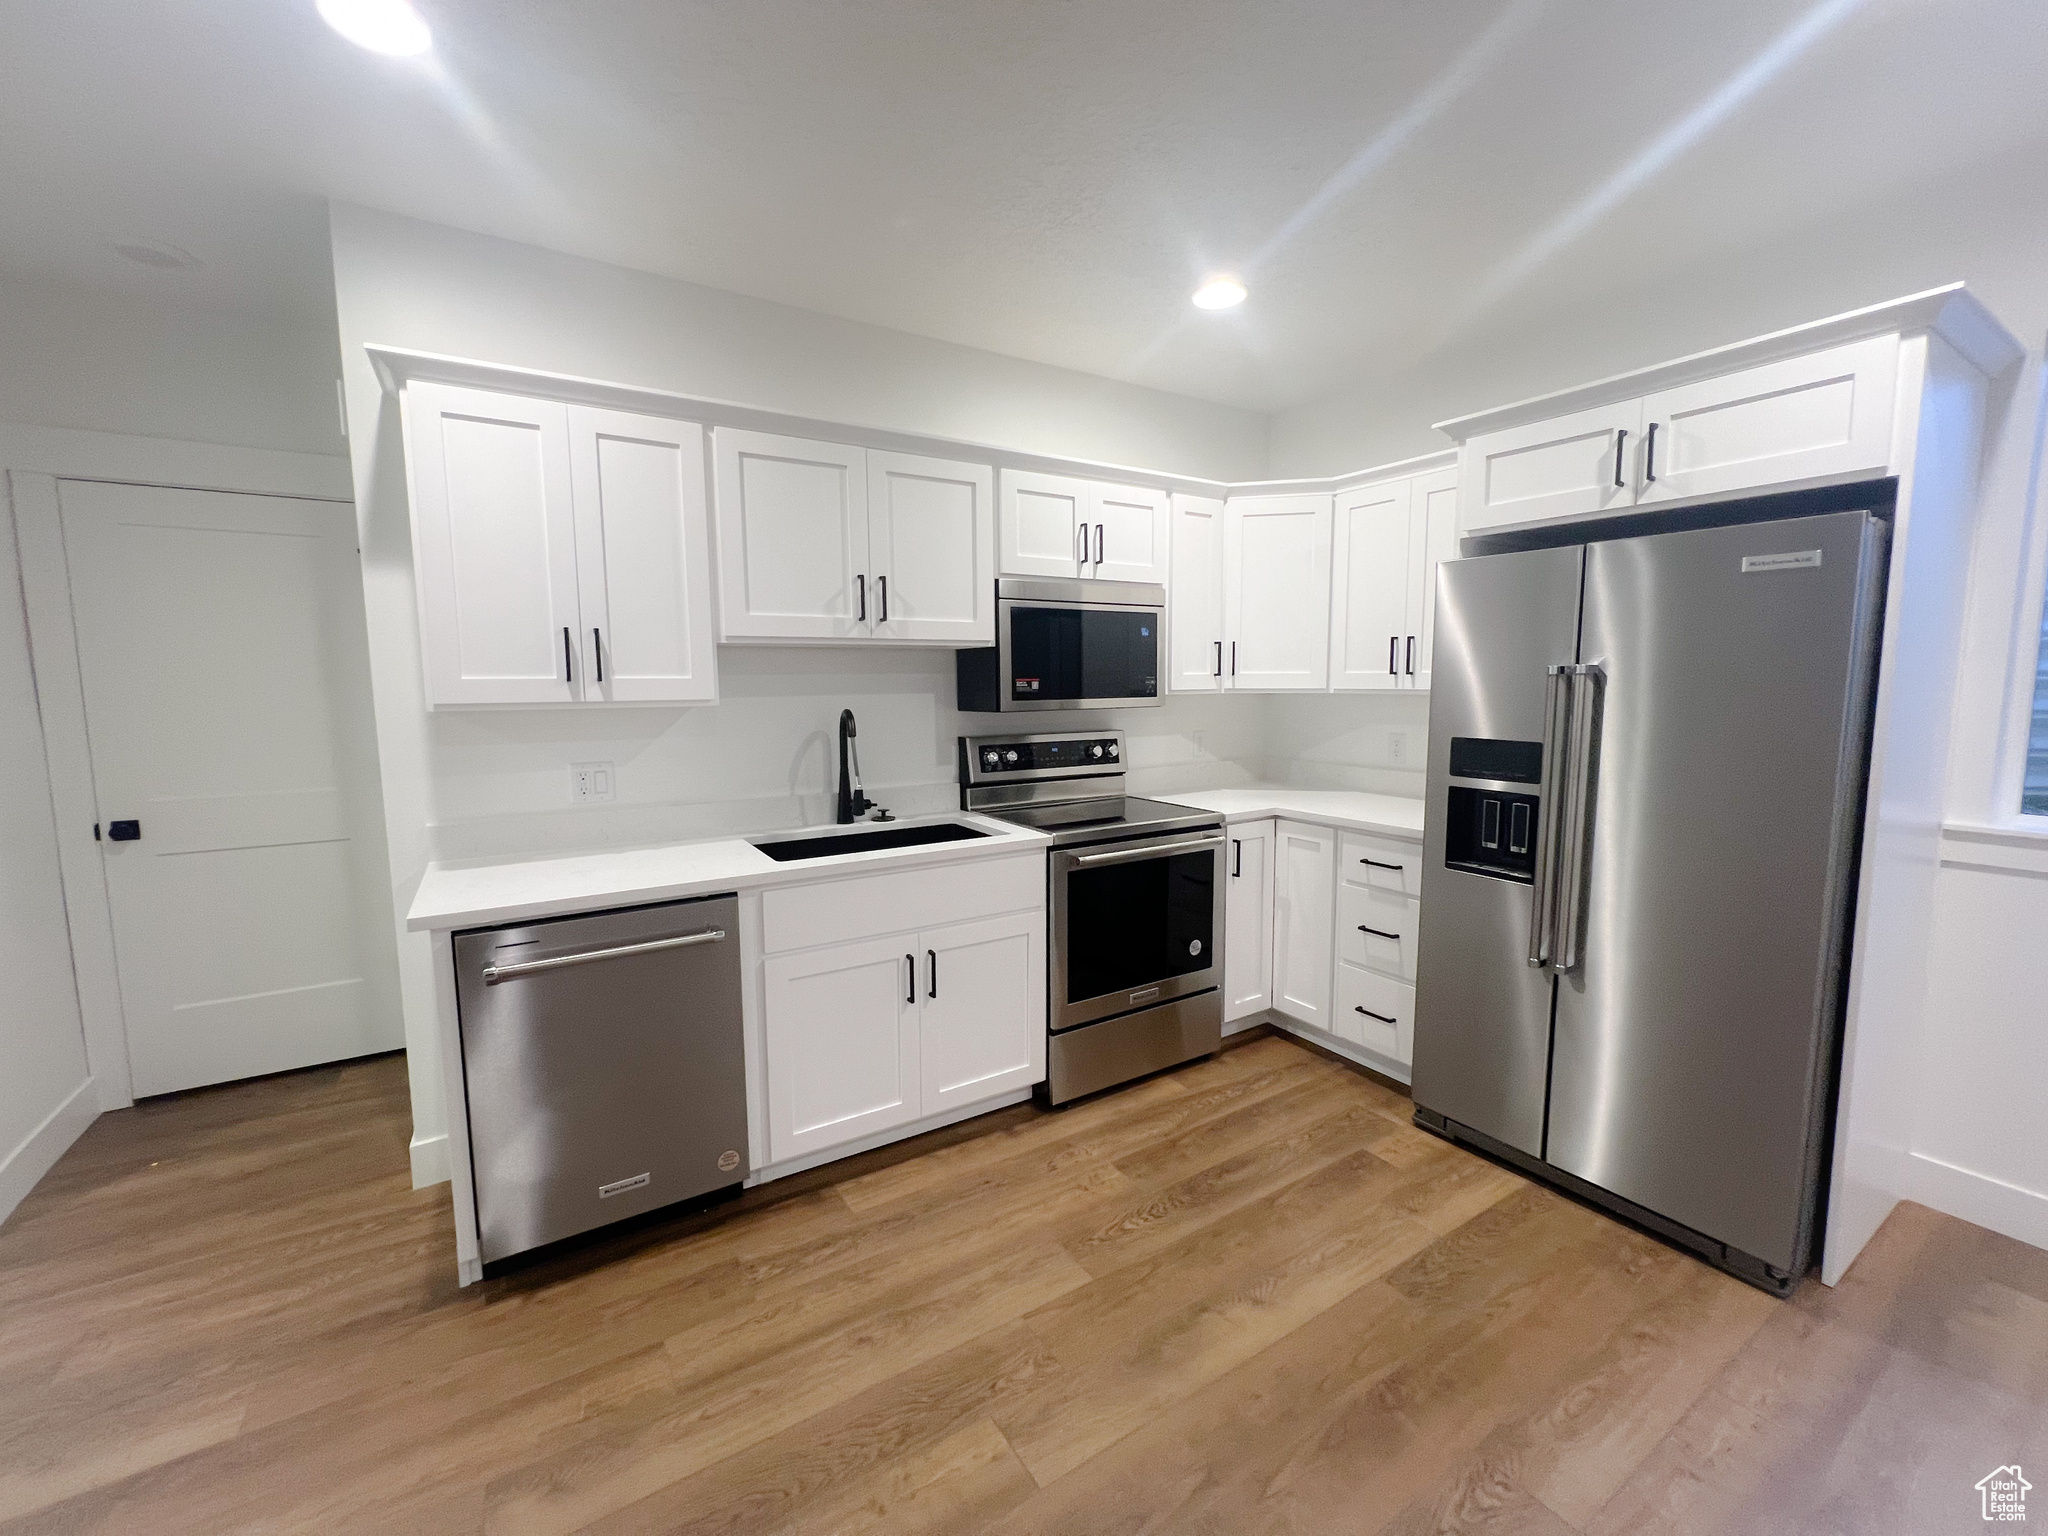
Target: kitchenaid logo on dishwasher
[(1791, 561)]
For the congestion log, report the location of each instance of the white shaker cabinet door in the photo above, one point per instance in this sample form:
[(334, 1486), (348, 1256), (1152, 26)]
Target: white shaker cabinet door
[(1277, 593), (1194, 596), (1432, 539), (1827, 415), (1569, 466), (1129, 527), (1040, 525), (643, 558), (843, 1048), (1371, 577), (1304, 887), (931, 541), (981, 997), (1248, 920), (494, 546), (792, 537)]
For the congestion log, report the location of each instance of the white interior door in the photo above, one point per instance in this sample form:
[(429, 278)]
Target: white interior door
[(1370, 580), (643, 558), (1432, 539), (1194, 618), (225, 668), (1277, 592), (792, 537), (982, 1009), (494, 545), (931, 540), (1129, 524), (1041, 523)]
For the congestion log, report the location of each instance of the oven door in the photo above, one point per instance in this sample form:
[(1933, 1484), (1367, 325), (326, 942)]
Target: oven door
[(1135, 923), (1057, 655)]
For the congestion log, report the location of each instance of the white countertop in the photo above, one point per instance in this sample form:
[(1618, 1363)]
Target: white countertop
[(505, 891), (1389, 815)]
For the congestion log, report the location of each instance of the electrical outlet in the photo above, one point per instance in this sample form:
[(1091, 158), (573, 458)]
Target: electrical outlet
[(590, 781), (1397, 748), (1201, 743)]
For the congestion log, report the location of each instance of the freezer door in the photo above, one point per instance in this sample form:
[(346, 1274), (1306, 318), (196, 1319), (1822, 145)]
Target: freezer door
[(1693, 1037), (1482, 1011)]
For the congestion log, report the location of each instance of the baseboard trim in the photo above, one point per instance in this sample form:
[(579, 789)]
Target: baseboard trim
[(25, 1166), (809, 1160), (1357, 1055), (1977, 1197), (430, 1160)]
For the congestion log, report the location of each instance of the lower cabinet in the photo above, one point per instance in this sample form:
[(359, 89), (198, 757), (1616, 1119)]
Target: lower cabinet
[(872, 1034), (1304, 880), (1248, 921)]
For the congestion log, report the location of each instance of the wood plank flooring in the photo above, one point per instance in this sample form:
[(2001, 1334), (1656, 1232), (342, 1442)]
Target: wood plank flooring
[(1247, 1296)]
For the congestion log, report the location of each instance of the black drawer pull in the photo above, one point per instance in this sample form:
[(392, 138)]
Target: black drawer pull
[(1383, 1018), (1376, 864), (1379, 933)]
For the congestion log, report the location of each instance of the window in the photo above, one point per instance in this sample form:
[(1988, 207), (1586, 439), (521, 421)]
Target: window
[(2034, 793)]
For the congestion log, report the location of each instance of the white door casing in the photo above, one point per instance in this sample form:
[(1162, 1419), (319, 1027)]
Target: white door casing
[(1371, 579), (1194, 595), (1248, 920), (1040, 525), (643, 558), (931, 540), (225, 678), (1277, 593), (981, 1009), (792, 537)]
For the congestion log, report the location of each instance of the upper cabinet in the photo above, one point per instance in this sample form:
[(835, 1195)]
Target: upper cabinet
[(820, 541), (1389, 538), (1060, 525), (561, 553), (1194, 621), (1825, 416), (1276, 592)]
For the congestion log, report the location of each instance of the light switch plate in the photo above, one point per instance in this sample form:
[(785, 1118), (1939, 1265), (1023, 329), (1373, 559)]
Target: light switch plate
[(1397, 748), (591, 781)]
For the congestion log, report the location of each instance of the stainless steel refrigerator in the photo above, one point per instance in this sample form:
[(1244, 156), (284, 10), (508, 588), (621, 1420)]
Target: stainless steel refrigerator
[(1646, 770)]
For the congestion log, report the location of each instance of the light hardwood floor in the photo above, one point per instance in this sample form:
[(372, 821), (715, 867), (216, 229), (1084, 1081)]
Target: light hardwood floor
[(1247, 1296)]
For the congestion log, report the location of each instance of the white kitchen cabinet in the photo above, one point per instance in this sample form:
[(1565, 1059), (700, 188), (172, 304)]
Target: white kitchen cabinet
[(1276, 606), (561, 553), (981, 1012), (1433, 513), (1376, 1012), (931, 543), (844, 1048), (1130, 537), (1372, 577), (822, 541), (642, 559), (1194, 596), (1248, 921), (1577, 465), (1825, 415), (1061, 525), (1304, 887), (1376, 928)]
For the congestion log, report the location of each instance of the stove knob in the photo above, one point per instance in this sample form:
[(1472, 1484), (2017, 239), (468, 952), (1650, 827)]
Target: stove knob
[(990, 758), (1112, 749), (1096, 750), (1010, 756)]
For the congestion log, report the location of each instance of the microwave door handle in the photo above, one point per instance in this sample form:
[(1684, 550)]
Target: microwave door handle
[(1556, 698)]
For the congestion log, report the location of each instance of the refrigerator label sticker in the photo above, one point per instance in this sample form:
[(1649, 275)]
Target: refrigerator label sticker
[(1791, 561)]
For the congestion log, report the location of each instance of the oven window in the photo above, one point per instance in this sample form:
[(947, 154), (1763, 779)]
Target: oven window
[(1082, 653), (1130, 925)]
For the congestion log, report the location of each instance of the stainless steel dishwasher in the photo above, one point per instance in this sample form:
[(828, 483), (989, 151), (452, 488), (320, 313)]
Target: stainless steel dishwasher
[(605, 1068)]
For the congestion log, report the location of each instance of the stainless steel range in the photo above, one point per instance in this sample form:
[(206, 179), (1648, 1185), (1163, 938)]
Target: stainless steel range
[(1136, 905)]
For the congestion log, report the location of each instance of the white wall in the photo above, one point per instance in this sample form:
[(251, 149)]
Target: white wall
[(477, 784), (46, 1097)]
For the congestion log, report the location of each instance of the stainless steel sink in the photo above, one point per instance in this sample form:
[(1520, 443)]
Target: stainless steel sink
[(786, 847)]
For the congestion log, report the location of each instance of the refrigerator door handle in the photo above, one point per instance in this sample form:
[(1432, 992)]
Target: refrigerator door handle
[(1568, 924), (1556, 701)]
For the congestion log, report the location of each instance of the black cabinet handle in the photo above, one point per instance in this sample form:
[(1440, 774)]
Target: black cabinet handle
[(1650, 456), (1379, 933), (597, 649), (1233, 658), (932, 959), (910, 970), (1082, 558), (124, 831), (1393, 666), (1098, 543), (1383, 1018), (1219, 658), (860, 585), (1377, 864), (1236, 857), (1620, 437), (1411, 655), (568, 656), (882, 590)]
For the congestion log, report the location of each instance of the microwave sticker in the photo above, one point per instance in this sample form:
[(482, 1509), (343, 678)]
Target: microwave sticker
[(1790, 561), (1024, 684)]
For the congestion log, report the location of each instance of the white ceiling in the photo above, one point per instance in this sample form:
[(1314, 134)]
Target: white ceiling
[(1045, 178)]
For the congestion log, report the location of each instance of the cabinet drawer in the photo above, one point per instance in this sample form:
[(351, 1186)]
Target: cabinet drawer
[(1376, 928), (834, 911), (1381, 863), (1376, 1012)]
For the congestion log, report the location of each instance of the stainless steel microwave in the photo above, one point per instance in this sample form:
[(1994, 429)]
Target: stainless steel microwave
[(1067, 645)]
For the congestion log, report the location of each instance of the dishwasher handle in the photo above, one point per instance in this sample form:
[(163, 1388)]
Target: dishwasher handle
[(526, 967)]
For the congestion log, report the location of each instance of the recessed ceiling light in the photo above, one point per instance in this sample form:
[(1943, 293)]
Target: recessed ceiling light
[(1219, 293), (156, 253), (382, 26)]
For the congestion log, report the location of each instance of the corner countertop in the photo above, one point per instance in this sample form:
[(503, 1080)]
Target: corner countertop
[(473, 895), (1388, 815)]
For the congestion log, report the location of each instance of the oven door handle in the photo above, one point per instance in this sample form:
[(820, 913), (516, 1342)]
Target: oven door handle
[(1149, 851)]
